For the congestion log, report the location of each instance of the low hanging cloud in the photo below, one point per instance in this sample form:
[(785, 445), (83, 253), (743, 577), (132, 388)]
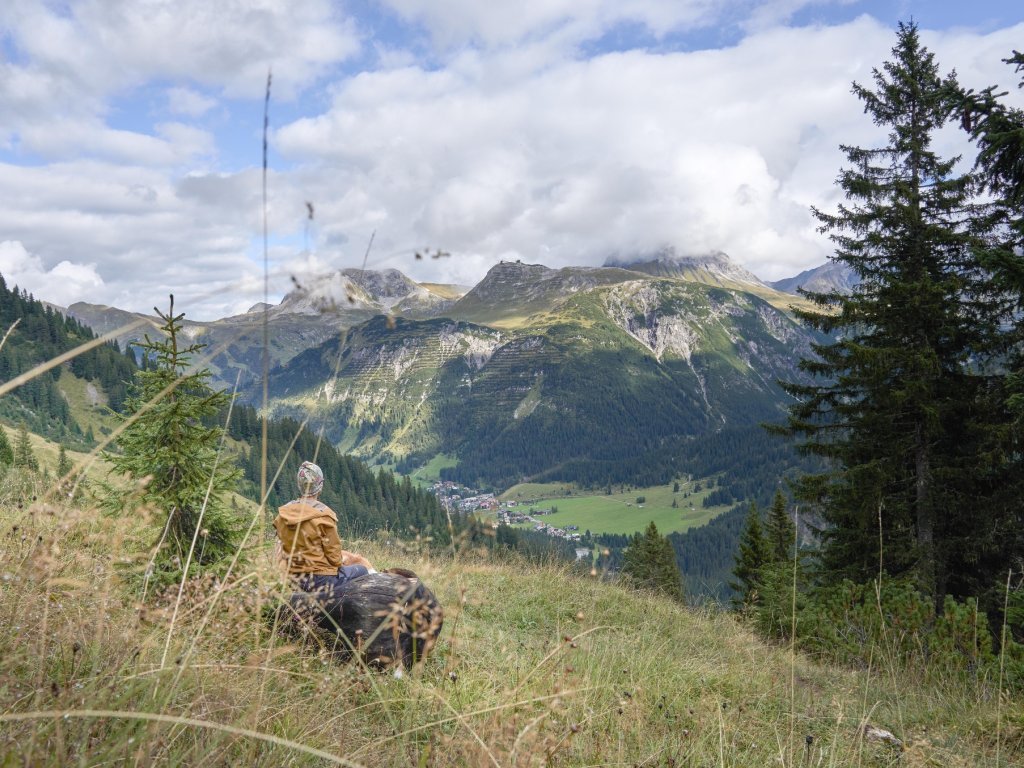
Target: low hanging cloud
[(618, 154)]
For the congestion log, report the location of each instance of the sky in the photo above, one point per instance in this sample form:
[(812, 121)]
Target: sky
[(561, 132)]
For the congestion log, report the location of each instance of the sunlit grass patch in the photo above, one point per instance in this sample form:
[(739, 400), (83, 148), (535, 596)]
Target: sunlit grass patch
[(536, 665)]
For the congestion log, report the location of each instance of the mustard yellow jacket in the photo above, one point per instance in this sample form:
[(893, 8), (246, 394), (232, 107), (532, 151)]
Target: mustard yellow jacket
[(308, 530)]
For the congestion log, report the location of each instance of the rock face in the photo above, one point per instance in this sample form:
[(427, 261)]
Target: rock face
[(380, 291), (318, 308), (534, 370)]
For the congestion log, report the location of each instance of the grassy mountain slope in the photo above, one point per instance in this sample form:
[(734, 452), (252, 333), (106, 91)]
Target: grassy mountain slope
[(512, 291), (536, 666)]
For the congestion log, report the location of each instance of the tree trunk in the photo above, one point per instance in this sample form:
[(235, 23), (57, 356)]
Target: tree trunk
[(925, 517)]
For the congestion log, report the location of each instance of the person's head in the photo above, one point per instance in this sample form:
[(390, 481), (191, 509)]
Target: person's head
[(311, 479)]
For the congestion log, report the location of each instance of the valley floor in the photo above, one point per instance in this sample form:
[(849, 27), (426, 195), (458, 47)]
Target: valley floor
[(536, 666)]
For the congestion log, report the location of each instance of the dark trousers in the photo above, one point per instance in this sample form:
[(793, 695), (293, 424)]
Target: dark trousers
[(322, 582)]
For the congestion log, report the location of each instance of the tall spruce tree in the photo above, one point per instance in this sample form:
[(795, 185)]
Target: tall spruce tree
[(780, 533), (751, 556), (174, 457), (899, 407), (650, 561), (998, 131)]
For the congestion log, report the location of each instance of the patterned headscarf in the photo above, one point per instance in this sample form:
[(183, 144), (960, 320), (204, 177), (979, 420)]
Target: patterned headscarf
[(311, 479)]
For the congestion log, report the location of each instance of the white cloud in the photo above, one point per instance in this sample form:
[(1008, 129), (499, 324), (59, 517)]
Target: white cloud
[(186, 101), (63, 284), (107, 45), (513, 145), (69, 63), (625, 152), (145, 235), (620, 153), (452, 23)]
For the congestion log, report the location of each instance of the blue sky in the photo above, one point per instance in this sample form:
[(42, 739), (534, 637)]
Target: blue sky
[(556, 131)]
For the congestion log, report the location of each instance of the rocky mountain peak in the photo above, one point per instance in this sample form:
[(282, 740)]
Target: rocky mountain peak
[(824, 279), (383, 283), (384, 291)]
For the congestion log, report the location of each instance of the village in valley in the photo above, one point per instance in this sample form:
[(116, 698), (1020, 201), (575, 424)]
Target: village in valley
[(455, 497)]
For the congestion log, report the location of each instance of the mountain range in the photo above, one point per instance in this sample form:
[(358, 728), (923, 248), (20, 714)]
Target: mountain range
[(581, 374), (587, 374)]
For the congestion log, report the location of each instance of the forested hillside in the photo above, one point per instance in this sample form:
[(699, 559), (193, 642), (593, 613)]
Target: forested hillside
[(365, 501), (620, 383), (38, 333)]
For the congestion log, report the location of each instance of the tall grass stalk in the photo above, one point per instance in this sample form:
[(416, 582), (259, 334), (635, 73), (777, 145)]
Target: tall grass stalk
[(1002, 668), (63, 714), (792, 636), (9, 330), (266, 308)]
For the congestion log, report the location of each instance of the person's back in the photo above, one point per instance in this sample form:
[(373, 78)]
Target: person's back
[(310, 547), (308, 530)]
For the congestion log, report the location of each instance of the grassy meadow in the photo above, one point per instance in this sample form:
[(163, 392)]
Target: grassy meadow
[(536, 666), (619, 511), (431, 471)]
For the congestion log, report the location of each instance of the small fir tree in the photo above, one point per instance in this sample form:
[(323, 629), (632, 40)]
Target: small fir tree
[(64, 468), (650, 561), (174, 457), (751, 557), (6, 451), (64, 464), (23, 455)]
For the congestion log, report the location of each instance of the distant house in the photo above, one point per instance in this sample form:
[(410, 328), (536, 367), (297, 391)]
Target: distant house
[(582, 552)]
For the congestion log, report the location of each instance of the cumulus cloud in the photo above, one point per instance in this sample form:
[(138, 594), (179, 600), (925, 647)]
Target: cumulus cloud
[(452, 23), (62, 284), (70, 62), (186, 101), (510, 141), (145, 234), (623, 152), (620, 153), (107, 45)]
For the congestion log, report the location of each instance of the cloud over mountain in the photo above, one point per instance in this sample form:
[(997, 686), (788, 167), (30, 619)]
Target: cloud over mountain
[(563, 133)]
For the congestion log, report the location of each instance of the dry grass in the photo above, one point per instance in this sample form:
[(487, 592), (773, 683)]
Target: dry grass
[(536, 666)]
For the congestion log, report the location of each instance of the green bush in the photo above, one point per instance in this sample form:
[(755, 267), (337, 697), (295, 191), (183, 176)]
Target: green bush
[(861, 623)]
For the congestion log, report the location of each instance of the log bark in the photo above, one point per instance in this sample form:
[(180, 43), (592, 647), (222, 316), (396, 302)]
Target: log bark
[(388, 618)]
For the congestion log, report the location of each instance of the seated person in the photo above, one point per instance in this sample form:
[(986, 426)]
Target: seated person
[(309, 545)]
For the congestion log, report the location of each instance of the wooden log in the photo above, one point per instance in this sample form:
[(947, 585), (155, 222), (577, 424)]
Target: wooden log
[(389, 618)]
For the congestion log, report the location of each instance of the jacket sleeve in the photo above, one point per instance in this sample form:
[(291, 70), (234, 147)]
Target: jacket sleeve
[(331, 542)]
